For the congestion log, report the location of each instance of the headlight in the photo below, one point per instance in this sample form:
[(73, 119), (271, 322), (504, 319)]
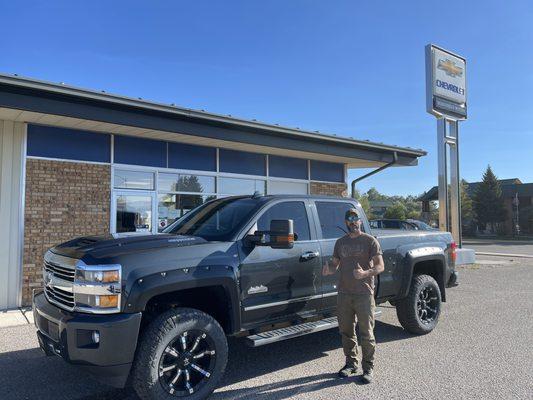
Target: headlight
[(97, 288)]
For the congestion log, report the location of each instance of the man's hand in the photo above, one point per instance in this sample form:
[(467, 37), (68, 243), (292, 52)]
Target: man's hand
[(328, 269), (359, 273)]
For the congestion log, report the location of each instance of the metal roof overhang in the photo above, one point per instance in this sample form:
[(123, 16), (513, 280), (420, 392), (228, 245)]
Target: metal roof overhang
[(39, 102)]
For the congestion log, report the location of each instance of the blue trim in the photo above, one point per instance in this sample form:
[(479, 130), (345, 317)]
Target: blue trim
[(187, 156), (139, 151), (68, 144), (242, 162), (327, 171), (287, 167)]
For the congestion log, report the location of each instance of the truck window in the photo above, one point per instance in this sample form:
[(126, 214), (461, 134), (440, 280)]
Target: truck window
[(374, 224), (391, 224), (294, 210), (216, 220), (331, 217)]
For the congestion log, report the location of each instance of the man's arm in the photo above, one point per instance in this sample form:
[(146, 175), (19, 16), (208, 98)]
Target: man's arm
[(331, 267)]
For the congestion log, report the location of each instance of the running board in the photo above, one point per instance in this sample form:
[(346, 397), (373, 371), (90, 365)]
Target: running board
[(290, 332)]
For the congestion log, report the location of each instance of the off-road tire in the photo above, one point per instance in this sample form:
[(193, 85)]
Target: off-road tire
[(161, 332), (408, 308)]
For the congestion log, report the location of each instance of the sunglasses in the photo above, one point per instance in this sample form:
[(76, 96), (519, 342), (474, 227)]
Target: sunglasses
[(352, 218)]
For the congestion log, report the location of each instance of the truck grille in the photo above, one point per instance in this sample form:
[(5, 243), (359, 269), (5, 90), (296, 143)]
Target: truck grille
[(61, 272), (58, 275), (60, 297)]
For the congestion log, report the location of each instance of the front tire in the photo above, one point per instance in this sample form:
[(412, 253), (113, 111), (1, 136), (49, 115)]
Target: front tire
[(419, 312), (182, 354)]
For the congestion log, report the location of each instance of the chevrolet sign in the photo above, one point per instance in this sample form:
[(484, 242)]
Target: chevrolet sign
[(445, 83)]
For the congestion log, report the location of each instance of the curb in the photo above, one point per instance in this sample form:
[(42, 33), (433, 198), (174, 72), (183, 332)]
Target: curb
[(504, 255), (16, 317)]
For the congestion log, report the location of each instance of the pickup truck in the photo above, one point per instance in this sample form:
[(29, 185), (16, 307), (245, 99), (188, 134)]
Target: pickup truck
[(154, 310)]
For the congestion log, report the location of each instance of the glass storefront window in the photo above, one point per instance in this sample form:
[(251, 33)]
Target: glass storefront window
[(287, 187), (174, 206), (228, 186), (134, 213), (186, 183), (134, 180)]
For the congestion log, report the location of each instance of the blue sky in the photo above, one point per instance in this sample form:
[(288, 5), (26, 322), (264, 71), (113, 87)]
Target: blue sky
[(340, 67)]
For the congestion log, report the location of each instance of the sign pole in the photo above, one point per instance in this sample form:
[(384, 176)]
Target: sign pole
[(446, 100), (443, 174)]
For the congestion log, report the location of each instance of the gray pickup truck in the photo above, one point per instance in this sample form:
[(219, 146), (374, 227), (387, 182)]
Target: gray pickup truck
[(154, 311)]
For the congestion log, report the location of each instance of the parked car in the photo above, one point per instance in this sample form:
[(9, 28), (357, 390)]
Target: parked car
[(408, 224), (156, 309)]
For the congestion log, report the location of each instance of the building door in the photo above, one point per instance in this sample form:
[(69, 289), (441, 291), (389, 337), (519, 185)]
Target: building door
[(134, 211)]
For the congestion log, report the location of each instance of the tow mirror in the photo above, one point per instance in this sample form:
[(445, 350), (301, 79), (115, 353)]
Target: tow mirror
[(280, 236)]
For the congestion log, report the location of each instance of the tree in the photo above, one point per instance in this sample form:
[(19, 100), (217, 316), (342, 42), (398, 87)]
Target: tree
[(365, 203), (488, 201), (467, 214), (396, 211)]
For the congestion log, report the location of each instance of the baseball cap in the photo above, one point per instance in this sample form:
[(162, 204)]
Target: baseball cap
[(351, 212)]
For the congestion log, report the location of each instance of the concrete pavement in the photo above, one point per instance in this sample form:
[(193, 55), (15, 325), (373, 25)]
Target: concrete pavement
[(481, 349)]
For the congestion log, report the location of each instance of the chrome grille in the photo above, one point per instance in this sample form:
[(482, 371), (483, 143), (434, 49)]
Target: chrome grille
[(58, 275), (59, 271), (60, 297)]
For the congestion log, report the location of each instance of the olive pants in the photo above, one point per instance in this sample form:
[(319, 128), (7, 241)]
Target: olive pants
[(355, 309)]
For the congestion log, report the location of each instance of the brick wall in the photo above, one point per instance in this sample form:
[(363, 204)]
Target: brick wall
[(62, 200), (328, 189)]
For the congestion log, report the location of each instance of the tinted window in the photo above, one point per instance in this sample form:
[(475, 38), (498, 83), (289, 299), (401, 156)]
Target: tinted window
[(407, 226), (374, 224), (186, 156), (287, 167), (391, 224), (68, 144), (215, 220), (294, 210), (331, 218), (241, 162), (138, 151), (326, 171)]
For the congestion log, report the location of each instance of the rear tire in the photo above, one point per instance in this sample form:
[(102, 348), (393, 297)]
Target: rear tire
[(182, 354), (419, 312)]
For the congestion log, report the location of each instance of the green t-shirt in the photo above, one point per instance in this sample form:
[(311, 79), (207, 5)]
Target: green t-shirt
[(351, 251)]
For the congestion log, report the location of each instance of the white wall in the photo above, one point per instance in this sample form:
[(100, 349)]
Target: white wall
[(12, 138)]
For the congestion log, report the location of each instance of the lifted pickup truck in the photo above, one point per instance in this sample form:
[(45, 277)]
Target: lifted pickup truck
[(154, 311)]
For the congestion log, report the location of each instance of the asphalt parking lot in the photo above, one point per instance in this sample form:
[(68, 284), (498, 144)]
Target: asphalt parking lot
[(482, 348)]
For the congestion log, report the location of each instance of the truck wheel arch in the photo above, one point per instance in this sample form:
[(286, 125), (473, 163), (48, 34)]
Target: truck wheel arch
[(218, 290), (433, 264)]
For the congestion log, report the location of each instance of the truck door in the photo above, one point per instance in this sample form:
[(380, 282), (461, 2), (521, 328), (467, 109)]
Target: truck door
[(331, 226), (277, 284)]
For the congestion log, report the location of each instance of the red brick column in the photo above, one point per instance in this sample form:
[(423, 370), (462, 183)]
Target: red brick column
[(328, 189), (63, 200)]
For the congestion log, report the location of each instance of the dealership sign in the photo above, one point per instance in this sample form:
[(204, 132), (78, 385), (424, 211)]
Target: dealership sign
[(445, 83)]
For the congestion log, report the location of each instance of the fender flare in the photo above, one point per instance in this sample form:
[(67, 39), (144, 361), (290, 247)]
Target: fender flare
[(414, 256), (147, 287)]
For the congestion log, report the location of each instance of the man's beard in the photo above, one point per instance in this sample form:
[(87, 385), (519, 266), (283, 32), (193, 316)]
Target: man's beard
[(353, 228)]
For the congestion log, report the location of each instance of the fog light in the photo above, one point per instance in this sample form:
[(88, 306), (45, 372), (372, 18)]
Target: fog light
[(96, 337)]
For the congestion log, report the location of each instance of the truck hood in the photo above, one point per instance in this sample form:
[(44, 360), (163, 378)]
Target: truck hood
[(119, 243)]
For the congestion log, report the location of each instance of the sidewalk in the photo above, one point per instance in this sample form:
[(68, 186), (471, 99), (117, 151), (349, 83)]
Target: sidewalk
[(19, 316)]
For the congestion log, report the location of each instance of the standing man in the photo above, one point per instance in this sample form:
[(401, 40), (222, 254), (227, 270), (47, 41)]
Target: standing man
[(358, 258)]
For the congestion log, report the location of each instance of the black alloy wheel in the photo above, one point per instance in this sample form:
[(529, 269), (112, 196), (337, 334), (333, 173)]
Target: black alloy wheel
[(419, 312), (187, 363), (182, 354)]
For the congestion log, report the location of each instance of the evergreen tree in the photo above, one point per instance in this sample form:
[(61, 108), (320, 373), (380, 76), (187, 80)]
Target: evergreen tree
[(396, 211), (467, 214), (488, 201)]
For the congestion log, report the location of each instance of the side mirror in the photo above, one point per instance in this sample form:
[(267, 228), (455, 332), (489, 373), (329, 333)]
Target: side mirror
[(281, 234)]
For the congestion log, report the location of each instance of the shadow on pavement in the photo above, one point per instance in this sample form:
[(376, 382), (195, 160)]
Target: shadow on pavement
[(29, 374)]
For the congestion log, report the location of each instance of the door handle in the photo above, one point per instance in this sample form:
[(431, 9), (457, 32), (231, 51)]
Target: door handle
[(309, 255)]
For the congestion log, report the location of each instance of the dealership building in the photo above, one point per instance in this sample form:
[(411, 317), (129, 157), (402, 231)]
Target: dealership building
[(77, 162)]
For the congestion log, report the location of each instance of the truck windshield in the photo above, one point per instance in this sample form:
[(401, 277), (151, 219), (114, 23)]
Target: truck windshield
[(217, 220)]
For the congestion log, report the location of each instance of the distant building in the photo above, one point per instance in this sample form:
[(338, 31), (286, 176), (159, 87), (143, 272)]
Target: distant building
[(512, 189), (379, 207)]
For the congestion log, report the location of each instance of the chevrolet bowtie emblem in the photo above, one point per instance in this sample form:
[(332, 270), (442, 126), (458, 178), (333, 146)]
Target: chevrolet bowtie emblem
[(450, 68)]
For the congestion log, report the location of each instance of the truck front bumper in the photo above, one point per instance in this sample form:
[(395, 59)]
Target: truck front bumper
[(103, 345)]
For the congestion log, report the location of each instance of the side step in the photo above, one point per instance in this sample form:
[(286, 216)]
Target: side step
[(290, 332), (277, 335)]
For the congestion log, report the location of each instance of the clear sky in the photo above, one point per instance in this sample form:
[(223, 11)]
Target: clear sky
[(345, 67)]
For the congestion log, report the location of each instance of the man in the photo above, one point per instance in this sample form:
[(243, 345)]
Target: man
[(358, 258)]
